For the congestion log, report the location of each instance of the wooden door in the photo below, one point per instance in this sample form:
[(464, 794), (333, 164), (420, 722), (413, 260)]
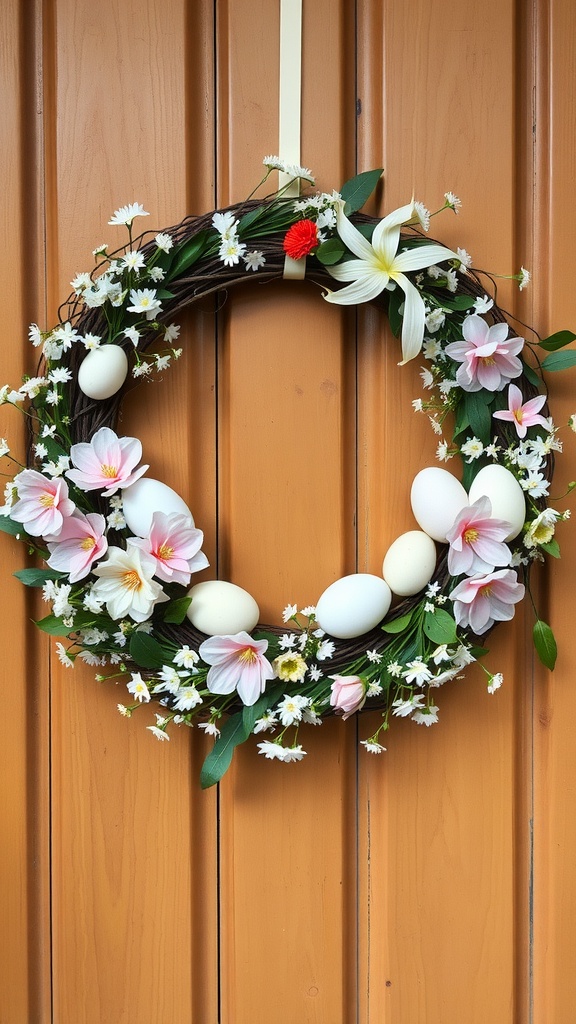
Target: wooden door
[(434, 884)]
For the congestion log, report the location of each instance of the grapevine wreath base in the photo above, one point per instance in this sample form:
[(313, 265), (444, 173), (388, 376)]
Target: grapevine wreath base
[(118, 552)]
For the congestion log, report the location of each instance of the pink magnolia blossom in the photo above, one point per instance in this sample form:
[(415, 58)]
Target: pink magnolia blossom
[(43, 503), (175, 544), (476, 540), (81, 542), (237, 663), (482, 600), (488, 357), (522, 415), (348, 694), (106, 462)]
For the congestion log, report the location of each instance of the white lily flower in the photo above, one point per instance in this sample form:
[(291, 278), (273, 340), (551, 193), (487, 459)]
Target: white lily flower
[(380, 263)]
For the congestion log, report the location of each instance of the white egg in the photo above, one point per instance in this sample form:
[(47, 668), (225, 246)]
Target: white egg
[(436, 497), (219, 608), (353, 605), (409, 563), (144, 498), (505, 493), (103, 371)]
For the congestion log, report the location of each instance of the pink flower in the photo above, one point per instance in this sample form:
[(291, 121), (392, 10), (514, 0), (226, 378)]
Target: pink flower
[(81, 542), (476, 540), (487, 356), (481, 601), (522, 416), (238, 663), (42, 504), (348, 694), (175, 544), (107, 462)]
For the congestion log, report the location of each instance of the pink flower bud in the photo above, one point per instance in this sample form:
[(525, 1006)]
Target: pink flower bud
[(348, 694)]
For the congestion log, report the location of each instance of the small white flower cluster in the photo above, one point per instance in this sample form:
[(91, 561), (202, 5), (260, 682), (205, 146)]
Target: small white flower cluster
[(232, 250), (321, 209)]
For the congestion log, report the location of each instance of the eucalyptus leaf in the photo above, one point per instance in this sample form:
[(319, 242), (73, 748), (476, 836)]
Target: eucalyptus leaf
[(146, 651), (37, 577), (440, 627), (559, 361), (218, 760), (176, 610), (398, 625), (545, 643), (532, 376), (8, 525), (558, 340), (357, 190), (330, 251)]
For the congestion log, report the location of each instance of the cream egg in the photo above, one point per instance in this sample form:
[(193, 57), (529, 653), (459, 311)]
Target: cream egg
[(436, 497), (220, 609), (103, 371), (144, 498), (409, 563), (353, 605), (506, 496)]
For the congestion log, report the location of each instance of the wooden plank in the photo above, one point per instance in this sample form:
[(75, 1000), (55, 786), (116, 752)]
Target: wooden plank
[(555, 758), (286, 531), (24, 796), (134, 839), (440, 848)]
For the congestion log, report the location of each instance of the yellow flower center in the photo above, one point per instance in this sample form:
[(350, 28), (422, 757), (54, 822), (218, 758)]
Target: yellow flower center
[(165, 552), (109, 471), (487, 360), (88, 543), (487, 590), (131, 580), (470, 535), (248, 656), (518, 415), (47, 500)]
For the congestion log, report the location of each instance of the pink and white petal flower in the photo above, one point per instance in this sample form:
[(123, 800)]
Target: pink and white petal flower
[(476, 540), (81, 542), (523, 415), (106, 463), (484, 599), (43, 503), (487, 356), (175, 545), (237, 663), (348, 694)]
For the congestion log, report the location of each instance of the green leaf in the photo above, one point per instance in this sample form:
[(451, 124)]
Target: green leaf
[(440, 627), (545, 644), (146, 651), (330, 251), (248, 219), (54, 625), (559, 361), (251, 714), (8, 525), (37, 577), (163, 294), (176, 610), (356, 191), (218, 760), (189, 254), (532, 376), (478, 415), (552, 548), (455, 301), (558, 340), (398, 625), (394, 315)]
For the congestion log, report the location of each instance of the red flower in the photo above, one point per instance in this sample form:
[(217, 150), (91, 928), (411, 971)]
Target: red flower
[(301, 239)]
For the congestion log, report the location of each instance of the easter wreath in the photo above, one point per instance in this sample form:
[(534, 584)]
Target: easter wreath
[(117, 577)]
